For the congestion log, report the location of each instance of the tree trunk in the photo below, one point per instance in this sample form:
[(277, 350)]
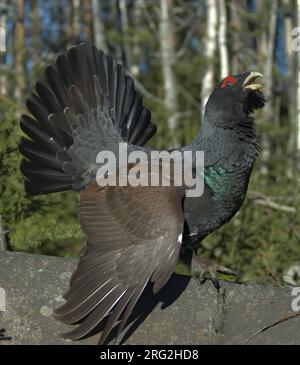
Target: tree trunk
[(262, 40), (236, 35), (268, 82), (35, 31), (19, 50), (210, 50), (268, 73), (167, 57), (76, 20), (298, 91), (3, 22), (3, 245), (125, 36), (116, 17), (61, 14), (137, 49), (288, 25), (224, 63), (99, 38), (70, 29), (87, 20)]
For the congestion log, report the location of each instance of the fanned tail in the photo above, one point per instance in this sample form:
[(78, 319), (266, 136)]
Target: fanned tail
[(86, 96)]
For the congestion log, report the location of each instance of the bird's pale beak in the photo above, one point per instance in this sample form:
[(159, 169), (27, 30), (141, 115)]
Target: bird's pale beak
[(249, 82)]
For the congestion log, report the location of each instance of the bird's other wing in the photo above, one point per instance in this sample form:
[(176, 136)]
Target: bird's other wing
[(127, 246), (83, 104)]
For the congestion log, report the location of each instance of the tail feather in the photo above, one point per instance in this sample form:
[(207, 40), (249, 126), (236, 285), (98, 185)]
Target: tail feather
[(56, 84), (36, 133), (35, 171), (148, 133), (37, 153), (67, 101)]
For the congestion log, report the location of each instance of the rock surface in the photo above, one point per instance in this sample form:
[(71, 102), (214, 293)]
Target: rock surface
[(182, 313)]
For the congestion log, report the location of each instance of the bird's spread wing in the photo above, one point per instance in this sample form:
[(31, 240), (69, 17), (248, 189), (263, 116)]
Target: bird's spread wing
[(127, 246), (83, 104)]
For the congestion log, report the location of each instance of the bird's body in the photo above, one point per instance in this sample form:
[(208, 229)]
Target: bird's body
[(86, 104), (228, 165)]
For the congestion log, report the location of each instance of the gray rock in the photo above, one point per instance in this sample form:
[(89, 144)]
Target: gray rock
[(182, 313)]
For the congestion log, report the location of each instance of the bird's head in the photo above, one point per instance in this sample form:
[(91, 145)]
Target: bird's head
[(236, 96)]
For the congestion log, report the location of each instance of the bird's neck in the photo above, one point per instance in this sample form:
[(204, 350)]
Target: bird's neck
[(229, 156), (228, 147)]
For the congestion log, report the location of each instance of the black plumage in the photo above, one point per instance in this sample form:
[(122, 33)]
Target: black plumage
[(86, 103)]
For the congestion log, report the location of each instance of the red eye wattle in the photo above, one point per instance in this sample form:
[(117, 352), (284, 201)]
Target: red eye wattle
[(228, 81)]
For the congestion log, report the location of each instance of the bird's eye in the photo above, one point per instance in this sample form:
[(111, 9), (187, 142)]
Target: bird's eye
[(229, 81)]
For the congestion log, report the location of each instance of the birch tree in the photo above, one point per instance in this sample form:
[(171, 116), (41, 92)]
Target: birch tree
[(224, 62), (268, 83), (125, 35), (298, 89), (76, 20), (263, 36), (70, 28), (87, 20), (98, 27), (210, 45), (235, 35), (288, 26), (3, 22), (167, 58), (268, 72), (137, 23)]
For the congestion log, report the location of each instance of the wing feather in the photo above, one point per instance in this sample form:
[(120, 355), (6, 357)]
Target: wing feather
[(124, 252)]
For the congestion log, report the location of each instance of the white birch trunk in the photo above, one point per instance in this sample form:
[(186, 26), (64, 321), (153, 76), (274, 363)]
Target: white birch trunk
[(136, 49), (288, 25), (270, 50), (236, 45), (298, 85), (224, 62), (70, 28), (123, 9), (167, 57), (268, 82), (125, 28), (98, 26), (210, 50), (3, 77), (76, 19)]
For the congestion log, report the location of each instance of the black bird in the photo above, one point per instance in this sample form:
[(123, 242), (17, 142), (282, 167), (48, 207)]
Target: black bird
[(87, 103)]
